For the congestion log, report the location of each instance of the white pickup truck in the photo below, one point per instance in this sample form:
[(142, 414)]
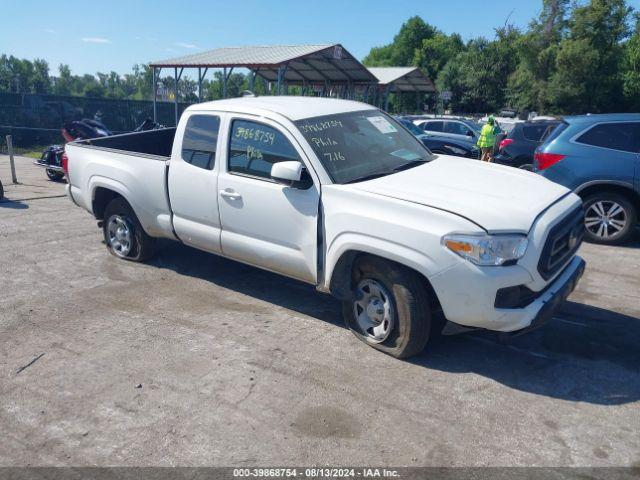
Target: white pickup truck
[(338, 194)]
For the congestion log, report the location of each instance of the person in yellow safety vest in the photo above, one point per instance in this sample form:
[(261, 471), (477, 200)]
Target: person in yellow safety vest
[(487, 139)]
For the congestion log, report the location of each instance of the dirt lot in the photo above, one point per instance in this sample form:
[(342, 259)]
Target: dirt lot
[(195, 360)]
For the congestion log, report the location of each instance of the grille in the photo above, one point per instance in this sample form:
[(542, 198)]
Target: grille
[(563, 241)]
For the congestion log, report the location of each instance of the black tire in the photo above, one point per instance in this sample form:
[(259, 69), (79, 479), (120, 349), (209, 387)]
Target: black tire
[(54, 176), (606, 200), (409, 297), (141, 245)]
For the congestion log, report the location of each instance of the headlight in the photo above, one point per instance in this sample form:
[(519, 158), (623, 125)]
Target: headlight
[(487, 250)]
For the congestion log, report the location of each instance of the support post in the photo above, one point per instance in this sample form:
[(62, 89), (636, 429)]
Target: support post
[(279, 80), (175, 92), (386, 99), (252, 78), (282, 70), (14, 179), (199, 85), (224, 82), (155, 94)]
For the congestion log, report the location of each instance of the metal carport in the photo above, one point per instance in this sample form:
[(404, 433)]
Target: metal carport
[(329, 66), (400, 80)]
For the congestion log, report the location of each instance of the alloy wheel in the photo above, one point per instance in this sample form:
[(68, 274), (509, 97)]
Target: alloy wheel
[(605, 219), (120, 235)]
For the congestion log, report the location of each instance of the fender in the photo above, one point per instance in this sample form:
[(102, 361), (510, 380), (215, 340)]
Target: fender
[(604, 183), (402, 254), (146, 218)]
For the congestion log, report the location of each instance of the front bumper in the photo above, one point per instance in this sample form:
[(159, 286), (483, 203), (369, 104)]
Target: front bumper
[(474, 307), (559, 295)]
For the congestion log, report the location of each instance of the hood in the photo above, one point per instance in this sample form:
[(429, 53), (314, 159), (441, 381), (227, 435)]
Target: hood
[(498, 198)]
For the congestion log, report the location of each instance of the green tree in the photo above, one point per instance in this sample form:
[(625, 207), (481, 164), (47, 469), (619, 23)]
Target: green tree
[(477, 77), (631, 70), (63, 84), (436, 51), (402, 50), (537, 51), (587, 76)]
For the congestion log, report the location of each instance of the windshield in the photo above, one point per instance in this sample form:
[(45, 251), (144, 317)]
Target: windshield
[(356, 146)]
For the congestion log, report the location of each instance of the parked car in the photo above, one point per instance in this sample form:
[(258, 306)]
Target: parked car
[(442, 145), (337, 194), (598, 157), (459, 129), (516, 149)]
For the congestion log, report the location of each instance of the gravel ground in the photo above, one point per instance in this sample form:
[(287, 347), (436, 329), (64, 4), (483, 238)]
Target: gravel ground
[(195, 360)]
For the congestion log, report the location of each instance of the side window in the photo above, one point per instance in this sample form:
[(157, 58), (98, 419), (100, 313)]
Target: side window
[(199, 141), (455, 127), (618, 136), (433, 126), (534, 132), (255, 147)]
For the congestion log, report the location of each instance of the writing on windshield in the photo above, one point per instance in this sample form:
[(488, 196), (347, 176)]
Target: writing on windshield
[(358, 144)]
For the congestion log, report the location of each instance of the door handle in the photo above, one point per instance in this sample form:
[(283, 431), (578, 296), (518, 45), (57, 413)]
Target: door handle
[(230, 194)]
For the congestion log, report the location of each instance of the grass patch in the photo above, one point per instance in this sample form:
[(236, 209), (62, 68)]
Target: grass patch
[(31, 152)]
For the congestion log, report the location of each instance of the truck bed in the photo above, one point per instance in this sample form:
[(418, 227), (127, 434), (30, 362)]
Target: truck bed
[(134, 165), (153, 142)]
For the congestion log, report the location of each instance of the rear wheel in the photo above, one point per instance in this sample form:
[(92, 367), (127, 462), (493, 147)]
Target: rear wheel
[(55, 176), (124, 236), (390, 307), (609, 218)]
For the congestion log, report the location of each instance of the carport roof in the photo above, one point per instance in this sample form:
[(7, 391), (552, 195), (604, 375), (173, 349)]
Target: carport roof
[(304, 63), (404, 79)]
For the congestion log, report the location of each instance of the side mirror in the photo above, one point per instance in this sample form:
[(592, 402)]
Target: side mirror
[(469, 133), (287, 173)]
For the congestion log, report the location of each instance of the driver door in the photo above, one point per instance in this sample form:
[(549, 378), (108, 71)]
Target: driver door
[(265, 223)]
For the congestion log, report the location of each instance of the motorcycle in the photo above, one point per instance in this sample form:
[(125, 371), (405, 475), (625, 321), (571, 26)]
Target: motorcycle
[(51, 158)]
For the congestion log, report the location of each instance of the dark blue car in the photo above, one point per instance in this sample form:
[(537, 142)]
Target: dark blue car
[(440, 144), (598, 157)]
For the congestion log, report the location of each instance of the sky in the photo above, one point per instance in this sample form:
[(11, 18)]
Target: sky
[(116, 34)]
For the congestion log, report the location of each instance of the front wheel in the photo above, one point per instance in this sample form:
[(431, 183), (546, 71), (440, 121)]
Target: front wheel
[(609, 218), (124, 236), (390, 307)]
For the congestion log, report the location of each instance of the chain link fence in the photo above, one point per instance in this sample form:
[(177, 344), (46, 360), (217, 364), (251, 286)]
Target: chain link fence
[(35, 120)]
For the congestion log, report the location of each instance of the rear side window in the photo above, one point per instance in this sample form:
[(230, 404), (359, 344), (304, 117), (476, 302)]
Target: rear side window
[(432, 126), (617, 136), (535, 132), (456, 127), (199, 141), (255, 147), (552, 133)]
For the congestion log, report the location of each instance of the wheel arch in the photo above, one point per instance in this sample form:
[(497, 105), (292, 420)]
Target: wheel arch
[(103, 190), (101, 198), (620, 188), (341, 274)]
